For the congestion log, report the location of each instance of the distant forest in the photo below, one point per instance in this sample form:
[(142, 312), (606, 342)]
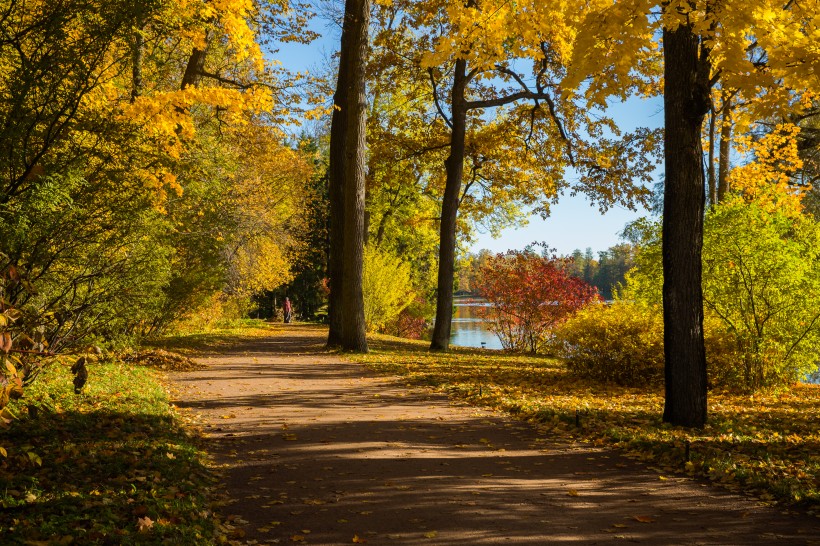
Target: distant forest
[(605, 272)]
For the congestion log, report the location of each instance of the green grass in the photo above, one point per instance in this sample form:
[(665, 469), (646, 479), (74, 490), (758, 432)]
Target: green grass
[(768, 443), (222, 337), (112, 465)]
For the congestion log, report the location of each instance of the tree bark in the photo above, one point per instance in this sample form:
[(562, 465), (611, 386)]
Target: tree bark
[(137, 58), (336, 179), (352, 61), (712, 181), (194, 68), (686, 101), (725, 143), (449, 210)]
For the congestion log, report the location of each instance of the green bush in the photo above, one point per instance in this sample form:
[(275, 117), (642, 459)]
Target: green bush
[(761, 291), (387, 286)]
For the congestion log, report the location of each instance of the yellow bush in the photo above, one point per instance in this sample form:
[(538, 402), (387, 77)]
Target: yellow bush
[(623, 343)]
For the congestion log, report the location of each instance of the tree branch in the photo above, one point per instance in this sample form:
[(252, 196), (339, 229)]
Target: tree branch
[(447, 120)]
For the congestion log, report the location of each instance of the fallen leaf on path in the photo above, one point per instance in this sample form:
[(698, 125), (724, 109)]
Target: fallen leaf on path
[(643, 519), (358, 540), (297, 538), (431, 534), (573, 493)]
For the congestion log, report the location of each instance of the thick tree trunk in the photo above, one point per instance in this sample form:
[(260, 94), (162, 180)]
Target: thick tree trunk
[(686, 100), (354, 43), (336, 180), (723, 155), (449, 211)]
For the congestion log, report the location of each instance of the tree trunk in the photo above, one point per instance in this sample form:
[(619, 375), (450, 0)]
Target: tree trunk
[(354, 43), (725, 143), (449, 210), (336, 178), (686, 100), (712, 185), (137, 58), (194, 68)]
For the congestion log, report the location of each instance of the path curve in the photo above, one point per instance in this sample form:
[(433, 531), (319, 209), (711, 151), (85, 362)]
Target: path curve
[(318, 450)]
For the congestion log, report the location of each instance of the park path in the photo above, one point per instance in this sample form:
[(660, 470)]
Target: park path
[(318, 450)]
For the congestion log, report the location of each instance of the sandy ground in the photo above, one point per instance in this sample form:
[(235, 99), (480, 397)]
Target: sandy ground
[(318, 450)]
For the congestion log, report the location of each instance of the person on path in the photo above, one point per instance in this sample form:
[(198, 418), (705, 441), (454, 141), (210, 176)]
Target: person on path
[(288, 309)]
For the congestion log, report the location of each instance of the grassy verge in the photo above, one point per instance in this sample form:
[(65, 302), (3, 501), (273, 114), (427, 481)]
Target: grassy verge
[(111, 465), (767, 443), (217, 339)]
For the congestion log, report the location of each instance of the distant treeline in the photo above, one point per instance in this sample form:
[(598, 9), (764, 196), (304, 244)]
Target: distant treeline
[(605, 272)]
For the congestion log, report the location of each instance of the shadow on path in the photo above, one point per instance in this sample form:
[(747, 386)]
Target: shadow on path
[(317, 450)]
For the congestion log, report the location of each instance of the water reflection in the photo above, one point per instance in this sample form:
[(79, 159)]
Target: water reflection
[(470, 330)]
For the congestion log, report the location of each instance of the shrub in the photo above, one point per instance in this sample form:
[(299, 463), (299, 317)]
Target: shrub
[(387, 287), (623, 343), (413, 322)]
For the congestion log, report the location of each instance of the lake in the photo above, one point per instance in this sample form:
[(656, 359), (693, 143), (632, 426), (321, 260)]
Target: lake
[(468, 329)]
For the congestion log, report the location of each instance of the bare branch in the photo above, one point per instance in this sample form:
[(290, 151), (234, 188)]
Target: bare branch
[(447, 120)]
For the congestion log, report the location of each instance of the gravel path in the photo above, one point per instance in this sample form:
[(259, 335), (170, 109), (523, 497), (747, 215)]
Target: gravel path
[(317, 450)]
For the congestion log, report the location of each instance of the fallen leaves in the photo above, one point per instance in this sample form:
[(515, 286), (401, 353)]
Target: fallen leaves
[(144, 524), (762, 442)]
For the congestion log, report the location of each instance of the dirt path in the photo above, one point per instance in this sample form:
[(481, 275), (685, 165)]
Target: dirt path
[(317, 450)]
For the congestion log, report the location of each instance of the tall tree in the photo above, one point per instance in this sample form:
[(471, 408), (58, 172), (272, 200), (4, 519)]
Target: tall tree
[(767, 53), (686, 102), (470, 52), (347, 182)]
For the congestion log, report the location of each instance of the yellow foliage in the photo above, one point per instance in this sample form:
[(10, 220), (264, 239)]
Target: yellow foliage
[(766, 179)]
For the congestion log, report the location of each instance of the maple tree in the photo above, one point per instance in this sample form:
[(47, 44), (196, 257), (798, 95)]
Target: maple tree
[(469, 53), (760, 259), (529, 295), (766, 56)]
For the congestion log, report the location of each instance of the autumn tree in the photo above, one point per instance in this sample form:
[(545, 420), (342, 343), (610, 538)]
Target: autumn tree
[(529, 295), (765, 55), (469, 52), (103, 191)]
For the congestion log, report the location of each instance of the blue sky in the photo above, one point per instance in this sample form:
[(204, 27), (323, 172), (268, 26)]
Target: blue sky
[(573, 222)]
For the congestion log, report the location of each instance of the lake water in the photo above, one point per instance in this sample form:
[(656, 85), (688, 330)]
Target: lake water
[(468, 329)]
